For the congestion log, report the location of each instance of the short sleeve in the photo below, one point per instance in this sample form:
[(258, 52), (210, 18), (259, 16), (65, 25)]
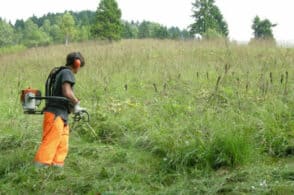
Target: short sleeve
[(67, 76)]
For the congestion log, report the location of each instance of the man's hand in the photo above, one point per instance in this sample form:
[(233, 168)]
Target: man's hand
[(78, 108)]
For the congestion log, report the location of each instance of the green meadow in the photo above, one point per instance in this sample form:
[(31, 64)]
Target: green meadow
[(170, 117)]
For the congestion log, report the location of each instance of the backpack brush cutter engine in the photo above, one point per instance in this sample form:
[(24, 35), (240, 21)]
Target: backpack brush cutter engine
[(31, 99)]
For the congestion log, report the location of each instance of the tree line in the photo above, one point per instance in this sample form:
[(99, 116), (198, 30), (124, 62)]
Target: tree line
[(55, 28), (105, 23)]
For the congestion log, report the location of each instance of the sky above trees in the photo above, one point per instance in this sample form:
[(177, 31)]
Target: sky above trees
[(239, 14)]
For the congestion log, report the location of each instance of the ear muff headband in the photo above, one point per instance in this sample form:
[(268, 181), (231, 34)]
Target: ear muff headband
[(77, 63)]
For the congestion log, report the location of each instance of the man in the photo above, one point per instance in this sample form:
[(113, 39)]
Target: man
[(54, 146)]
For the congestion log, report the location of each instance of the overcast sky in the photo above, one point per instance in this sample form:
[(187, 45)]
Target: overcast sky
[(238, 14)]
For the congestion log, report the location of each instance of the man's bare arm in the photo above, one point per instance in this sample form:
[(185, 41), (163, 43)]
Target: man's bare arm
[(68, 93)]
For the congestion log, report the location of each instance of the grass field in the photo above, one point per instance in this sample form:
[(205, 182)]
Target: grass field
[(171, 117)]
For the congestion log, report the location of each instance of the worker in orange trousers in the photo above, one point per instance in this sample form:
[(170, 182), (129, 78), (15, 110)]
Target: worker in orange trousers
[(55, 138)]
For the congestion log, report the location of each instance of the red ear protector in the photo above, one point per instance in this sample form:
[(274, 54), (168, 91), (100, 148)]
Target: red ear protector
[(77, 63)]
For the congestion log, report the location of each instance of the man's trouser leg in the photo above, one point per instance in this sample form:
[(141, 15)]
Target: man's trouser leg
[(62, 148), (54, 146)]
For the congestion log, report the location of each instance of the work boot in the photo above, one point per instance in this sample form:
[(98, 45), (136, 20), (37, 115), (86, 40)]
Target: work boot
[(58, 166), (41, 165)]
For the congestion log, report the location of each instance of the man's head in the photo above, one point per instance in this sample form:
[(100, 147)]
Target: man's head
[(75, 60)]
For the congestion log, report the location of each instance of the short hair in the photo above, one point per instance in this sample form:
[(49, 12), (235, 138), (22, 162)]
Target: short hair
[(71, 57)]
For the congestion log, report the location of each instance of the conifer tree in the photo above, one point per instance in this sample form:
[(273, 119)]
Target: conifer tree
[(107, 24)]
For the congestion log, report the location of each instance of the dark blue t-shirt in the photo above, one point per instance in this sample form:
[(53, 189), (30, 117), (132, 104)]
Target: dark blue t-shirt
[(61, 108)]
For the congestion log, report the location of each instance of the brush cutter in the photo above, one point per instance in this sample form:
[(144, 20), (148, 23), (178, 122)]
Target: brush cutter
[(85, 118), (31, 100)]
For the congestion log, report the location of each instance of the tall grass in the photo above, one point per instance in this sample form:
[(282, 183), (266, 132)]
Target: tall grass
[(164, 112)]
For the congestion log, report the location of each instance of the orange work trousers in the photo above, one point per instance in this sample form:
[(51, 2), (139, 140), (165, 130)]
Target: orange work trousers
[(54, 146)]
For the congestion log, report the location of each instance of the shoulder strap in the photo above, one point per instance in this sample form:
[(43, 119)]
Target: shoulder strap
[(51, 80)]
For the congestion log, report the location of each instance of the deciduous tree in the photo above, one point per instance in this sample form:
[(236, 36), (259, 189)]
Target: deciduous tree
[(67, 26), (208, 18), (262, 28), (6, 33), (33, 36)]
